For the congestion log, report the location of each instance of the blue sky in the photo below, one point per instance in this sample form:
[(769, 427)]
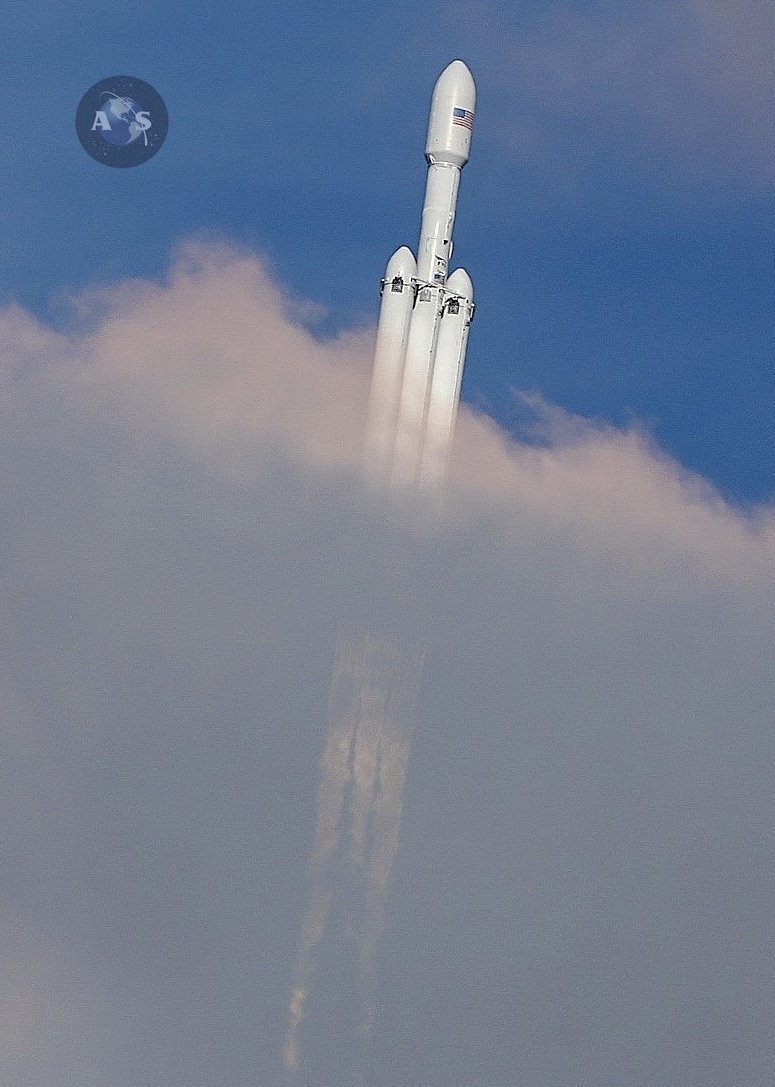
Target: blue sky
[(614, 217)]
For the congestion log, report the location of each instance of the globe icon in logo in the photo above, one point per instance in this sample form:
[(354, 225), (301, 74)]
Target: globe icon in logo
[(121, 121), (127, 119)]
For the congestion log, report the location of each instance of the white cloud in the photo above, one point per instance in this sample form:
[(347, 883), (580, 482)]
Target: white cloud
[(583, 892)]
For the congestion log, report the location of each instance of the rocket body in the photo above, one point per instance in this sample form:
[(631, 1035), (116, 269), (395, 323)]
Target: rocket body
[(444, 392), (398, 291), (421, 340), (446, 150)]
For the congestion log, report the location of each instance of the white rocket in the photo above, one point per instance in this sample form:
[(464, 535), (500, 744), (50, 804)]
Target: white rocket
[(424, 316)]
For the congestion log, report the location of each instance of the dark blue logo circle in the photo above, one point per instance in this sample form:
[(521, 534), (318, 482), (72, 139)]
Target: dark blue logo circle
[(121, 121)]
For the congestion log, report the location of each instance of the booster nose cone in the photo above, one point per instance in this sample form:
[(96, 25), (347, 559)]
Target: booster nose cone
[(452, 116), (460, 283), (401, 265)]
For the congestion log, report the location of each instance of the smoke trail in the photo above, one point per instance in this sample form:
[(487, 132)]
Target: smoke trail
[(392, 689), (372, 700), (384, 847), (335, 773), (365, 766)]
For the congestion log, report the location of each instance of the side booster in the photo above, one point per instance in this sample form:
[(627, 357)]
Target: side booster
[(424, 316)]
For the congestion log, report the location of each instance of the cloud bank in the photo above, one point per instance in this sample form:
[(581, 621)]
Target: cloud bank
[(584, 884)]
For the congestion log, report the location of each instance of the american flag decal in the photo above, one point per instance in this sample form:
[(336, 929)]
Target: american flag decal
[(463, 117)]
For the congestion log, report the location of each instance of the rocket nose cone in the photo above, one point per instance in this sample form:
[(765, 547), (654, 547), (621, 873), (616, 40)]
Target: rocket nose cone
[(457, 79), (460, 283), (402, 264), (452, 116)]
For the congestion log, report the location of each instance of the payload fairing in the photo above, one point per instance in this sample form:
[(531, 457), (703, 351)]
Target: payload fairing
[(424, 317)]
